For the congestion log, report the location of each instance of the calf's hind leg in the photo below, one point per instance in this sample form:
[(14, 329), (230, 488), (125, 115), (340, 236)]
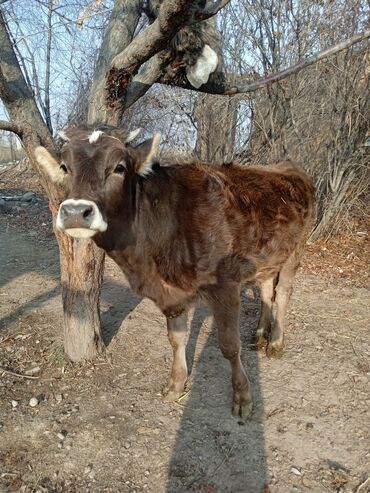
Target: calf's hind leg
[(264, 324), (283, 291), (177, 335), (225, 304)]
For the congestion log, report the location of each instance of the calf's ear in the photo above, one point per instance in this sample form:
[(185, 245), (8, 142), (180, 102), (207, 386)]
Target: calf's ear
[(146, 155), (49, 164)]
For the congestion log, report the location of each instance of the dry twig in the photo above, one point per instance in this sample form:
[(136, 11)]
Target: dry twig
[(29, 377), (362, 485)]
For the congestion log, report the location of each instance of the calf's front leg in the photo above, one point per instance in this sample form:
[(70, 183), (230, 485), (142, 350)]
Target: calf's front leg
[(225, 304), (177, 335)]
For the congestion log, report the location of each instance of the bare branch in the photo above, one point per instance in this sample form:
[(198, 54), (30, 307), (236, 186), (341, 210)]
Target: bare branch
[(21, 107), (48, 67), (211, 10), (229, 89), (258, 84), (153, 72), (10, 127)]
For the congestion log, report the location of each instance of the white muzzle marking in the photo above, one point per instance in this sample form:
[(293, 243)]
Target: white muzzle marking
[(98, 225), (80, 232)]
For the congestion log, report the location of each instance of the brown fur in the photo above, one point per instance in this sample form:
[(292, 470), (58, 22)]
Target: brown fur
[(199, 230)]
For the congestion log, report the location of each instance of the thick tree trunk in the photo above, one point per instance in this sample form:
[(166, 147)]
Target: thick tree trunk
[(81, 261), (120, 32), (82, 266)]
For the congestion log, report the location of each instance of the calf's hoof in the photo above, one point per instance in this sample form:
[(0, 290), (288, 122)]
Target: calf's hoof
[(242, 404), (242, 410), (259, 342), (274, 350), (171, 395)]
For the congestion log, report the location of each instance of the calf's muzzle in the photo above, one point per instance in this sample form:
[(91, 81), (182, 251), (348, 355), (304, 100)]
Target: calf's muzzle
[(80, 218)]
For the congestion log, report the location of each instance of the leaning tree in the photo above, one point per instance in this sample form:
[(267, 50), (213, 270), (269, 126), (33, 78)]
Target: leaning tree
[(130, 61)]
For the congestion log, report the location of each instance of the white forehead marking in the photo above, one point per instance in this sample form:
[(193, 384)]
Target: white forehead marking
[(95, 136)]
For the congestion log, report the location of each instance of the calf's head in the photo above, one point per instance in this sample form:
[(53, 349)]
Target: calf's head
[(96, 168)]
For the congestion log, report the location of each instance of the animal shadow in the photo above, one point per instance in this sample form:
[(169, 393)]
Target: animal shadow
[(214, 452)]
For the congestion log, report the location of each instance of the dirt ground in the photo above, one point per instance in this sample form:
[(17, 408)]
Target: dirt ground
[(103, 427)]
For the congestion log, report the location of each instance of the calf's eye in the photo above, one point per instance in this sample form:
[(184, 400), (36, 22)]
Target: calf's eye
[(63, 167), (120, 168)]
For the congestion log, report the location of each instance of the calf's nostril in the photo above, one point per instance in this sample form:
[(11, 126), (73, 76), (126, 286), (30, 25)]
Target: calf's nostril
[(87, 212)]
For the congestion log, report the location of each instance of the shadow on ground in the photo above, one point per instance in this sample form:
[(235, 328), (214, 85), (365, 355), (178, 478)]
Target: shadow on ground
[(213, 452), (20, 255)]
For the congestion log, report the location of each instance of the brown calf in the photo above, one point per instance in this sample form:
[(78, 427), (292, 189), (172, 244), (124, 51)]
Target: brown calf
[(185, 232)]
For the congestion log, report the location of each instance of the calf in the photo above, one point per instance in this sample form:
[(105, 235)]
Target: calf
[(185, 232)]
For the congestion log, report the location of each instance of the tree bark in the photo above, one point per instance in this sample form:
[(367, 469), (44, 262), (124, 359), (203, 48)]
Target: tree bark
[(82, 268), (80, 260)]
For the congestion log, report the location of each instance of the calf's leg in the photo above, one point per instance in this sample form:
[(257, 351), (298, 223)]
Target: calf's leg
[(283, 291), (264, 324), (225, 304), (177, 335)]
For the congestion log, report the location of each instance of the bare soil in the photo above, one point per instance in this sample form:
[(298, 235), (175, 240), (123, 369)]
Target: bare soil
[(103, 427)]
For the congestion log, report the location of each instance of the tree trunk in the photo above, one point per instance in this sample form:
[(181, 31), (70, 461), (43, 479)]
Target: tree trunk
[(81, 262), (216, 122), (82, 267), (120, 32)]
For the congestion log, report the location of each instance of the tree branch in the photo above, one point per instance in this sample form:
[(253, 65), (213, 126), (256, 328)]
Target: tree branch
[(258, 84), (231, 88), (10, 127), (211, 10), (172, 16), (21, 107), (153, 71)]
